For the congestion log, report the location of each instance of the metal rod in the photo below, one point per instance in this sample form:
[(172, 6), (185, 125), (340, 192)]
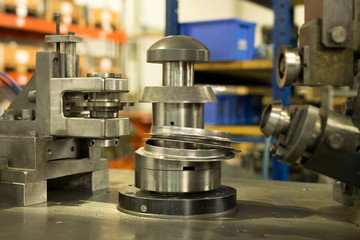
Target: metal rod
[(178, 74), (70, 58), (57, 18)]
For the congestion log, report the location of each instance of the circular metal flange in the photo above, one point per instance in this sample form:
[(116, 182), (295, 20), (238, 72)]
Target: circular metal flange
[(288, 66), (178, 94), (150, 204), (200, 142), (275, 119), (196, 132), (178, 48), (186, 155), (196, 153)]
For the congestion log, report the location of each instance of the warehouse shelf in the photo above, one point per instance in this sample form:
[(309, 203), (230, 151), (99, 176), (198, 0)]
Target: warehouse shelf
[(251, 71), (11, 24), (268, 3), (237, 130)]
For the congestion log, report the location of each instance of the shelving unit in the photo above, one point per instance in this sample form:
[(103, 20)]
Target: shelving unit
[(256, 72), (37, 28), (238, 130)]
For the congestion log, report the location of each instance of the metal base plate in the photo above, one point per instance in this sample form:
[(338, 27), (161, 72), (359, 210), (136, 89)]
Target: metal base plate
[(137, 201)]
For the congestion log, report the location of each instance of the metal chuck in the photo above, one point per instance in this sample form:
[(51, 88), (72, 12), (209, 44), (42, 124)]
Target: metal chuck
[(178, 170)]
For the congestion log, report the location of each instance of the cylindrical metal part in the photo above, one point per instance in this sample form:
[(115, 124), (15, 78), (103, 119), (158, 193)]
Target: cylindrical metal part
[(178, 74), (157, 175), (275, 119), (27, 114), (57, 19), (178, 114), (10, 114), (32, 96), (70, 58)]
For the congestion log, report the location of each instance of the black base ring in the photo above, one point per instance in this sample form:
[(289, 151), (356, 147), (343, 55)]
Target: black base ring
[(137, 201)]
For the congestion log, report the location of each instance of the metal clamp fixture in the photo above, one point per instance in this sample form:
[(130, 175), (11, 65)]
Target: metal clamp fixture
[(181, 160), (57, 124)]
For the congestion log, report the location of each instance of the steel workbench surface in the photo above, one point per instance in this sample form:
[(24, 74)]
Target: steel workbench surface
[(265, 209)]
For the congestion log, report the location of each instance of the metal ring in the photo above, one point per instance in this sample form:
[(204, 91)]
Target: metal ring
[(206, 153)]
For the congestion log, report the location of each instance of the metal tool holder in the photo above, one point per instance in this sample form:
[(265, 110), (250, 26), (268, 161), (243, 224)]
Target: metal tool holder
[(52, 132), (178, 170)]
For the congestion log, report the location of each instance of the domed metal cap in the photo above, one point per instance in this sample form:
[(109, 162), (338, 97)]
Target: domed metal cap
[(178, 48)]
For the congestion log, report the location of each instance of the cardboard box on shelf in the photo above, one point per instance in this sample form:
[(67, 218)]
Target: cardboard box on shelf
[(71, 13), (23, 8), (18, 58), (103, 18)]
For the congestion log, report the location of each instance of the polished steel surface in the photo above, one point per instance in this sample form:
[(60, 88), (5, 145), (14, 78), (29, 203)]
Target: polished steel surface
[(175, 151), (180, 94), (153, 173), (288, 66), (178, 114), (265, 210), (178, 74), (194, 132), (275, 119), (178, 49)]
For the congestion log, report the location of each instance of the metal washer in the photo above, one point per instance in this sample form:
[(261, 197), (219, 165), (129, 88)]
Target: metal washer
[(145, 203)]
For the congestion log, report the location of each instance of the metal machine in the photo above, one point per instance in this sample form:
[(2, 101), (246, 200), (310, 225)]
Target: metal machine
[(178, 170), (53, 131), (320, 139)]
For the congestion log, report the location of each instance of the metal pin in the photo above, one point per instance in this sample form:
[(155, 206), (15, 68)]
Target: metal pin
[(57, 19)]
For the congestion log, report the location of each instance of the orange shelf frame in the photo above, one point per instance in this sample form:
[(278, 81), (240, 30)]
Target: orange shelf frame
[(43, 27)]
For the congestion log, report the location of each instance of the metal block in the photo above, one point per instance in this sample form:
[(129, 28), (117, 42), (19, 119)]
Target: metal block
[(23, 194), (317, 58)]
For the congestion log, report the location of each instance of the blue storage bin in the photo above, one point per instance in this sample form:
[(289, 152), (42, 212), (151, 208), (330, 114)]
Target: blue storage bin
[(240, 110), (248, 109), (254, 102), (227, 40), (234, 110), (222, 112)]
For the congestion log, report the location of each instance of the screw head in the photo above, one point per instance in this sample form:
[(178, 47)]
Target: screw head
[(338, 34), (143, 208), (335, 141)]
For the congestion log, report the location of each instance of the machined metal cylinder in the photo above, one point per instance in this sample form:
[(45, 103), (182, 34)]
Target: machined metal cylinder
[(178, 74), (178, 114), (70, 58)]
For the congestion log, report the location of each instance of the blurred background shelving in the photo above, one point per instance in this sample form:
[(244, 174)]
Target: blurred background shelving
[(23, 25)]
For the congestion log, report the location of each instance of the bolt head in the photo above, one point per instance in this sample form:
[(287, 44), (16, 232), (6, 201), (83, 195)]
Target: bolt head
[(335, 141), (338, 34)]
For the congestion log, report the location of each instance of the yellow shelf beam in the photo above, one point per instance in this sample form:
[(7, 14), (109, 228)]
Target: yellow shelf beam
[(238, 130), (236, 65)]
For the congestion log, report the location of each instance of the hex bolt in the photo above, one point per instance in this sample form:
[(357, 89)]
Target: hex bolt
[(338, 34), (335, 141)]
